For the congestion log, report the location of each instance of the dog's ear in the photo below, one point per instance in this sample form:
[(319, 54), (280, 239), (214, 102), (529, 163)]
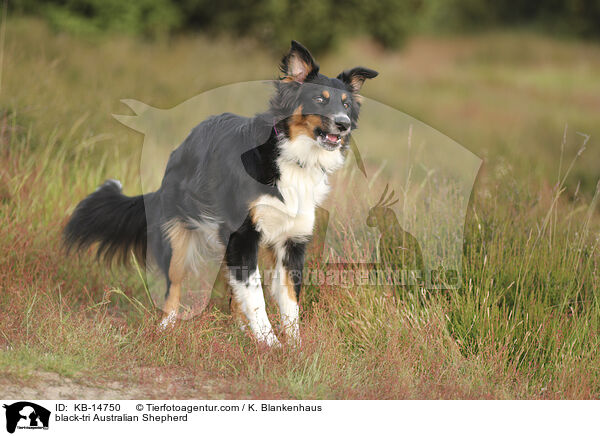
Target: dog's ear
[(355, 77), (298, 64)]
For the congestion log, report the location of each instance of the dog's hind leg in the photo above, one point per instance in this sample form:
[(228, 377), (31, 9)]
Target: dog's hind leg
[(178, 238)]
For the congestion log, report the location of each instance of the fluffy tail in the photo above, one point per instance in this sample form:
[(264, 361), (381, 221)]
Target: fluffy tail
[(115, 221)]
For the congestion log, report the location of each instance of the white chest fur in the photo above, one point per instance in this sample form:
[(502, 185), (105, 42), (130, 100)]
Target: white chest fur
[(303, 184)]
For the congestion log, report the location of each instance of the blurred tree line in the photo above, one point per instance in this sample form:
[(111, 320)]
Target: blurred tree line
[(317, 23)]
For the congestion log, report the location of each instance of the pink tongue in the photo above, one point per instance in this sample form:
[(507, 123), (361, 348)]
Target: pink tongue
[(332, 138)]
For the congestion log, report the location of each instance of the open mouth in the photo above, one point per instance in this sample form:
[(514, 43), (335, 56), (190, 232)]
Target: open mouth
[(329, 141)]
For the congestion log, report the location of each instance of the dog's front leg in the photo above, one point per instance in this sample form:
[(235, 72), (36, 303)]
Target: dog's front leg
[(286, 284), (244, 279)]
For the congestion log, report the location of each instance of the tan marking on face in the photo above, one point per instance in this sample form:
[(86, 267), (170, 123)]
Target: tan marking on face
[(325, 94), (344, 97), (300, 124)]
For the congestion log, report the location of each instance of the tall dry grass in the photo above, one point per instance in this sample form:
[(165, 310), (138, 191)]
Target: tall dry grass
[(523, 325)]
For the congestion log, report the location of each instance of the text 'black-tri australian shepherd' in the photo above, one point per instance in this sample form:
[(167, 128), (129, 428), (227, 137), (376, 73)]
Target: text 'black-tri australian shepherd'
[(288, 152)]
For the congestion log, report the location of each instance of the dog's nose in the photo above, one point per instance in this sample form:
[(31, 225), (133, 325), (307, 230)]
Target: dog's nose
[(342, 122)]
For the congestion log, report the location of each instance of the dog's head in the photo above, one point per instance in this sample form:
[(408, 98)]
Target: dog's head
[(315, 106)]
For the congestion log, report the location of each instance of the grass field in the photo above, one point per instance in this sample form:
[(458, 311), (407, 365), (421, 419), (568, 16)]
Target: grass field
[(525, 324)]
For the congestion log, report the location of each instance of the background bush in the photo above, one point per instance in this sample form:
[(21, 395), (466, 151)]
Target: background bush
[(317, 23)]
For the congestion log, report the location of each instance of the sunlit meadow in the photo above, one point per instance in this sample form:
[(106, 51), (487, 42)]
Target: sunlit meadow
[(524, 324)]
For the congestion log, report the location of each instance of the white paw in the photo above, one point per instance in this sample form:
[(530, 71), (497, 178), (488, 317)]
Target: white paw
[(293, 337), (271, 340), (168, 321)]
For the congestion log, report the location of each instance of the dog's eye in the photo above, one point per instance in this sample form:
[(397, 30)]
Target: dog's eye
[(320, 99), (346, 105)]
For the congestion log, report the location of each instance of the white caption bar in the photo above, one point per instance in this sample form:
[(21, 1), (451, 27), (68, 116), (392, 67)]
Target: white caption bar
[(248, 417)]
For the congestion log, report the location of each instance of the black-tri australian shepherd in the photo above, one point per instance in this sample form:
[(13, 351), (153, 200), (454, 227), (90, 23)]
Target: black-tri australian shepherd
[(288, 152)]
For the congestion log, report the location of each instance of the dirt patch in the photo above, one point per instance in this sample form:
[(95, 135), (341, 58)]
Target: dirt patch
[(146, 383)]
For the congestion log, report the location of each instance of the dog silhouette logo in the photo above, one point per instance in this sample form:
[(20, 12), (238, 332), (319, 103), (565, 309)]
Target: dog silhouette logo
[(26, 415)]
